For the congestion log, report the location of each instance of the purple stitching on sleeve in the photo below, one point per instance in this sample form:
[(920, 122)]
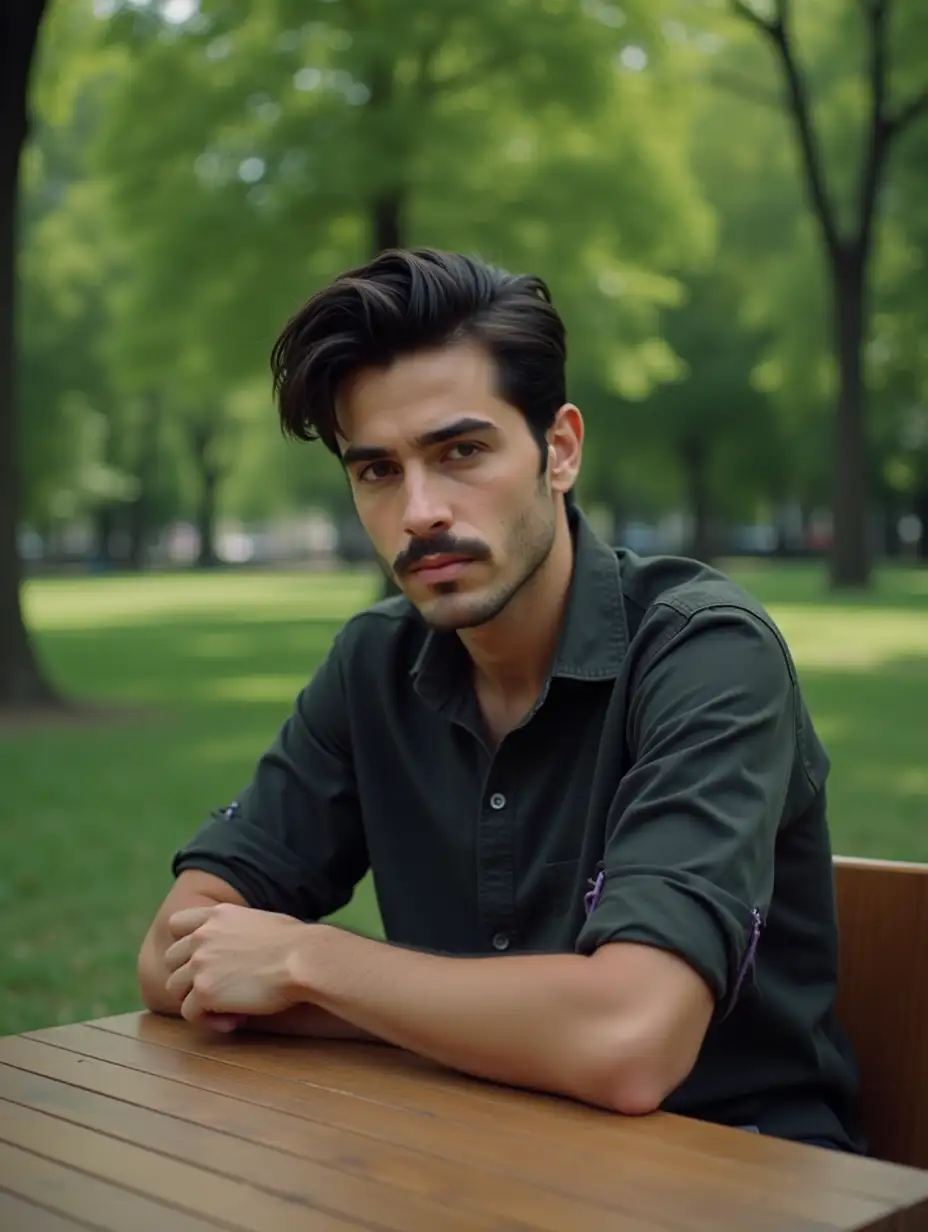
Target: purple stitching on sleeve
[(757, 925), (592, 897)]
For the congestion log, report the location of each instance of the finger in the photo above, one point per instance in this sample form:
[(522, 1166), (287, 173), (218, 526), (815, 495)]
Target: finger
[(178, 954), (190, 1008), (180, 983), (193, 1012), (181, 923)]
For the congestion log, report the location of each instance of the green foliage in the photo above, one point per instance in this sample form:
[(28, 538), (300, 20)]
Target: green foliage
[(68, 267), (197, 171), (495, 127)]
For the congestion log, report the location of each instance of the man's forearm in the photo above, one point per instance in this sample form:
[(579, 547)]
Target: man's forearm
[(536, 1021)]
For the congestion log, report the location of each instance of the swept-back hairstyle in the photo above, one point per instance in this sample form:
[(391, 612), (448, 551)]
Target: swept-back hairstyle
[(406, 301)]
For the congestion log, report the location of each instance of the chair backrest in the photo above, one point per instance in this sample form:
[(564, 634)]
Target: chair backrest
[(883, 999)]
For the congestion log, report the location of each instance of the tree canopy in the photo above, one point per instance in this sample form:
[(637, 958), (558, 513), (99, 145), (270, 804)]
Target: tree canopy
[(718, 193)]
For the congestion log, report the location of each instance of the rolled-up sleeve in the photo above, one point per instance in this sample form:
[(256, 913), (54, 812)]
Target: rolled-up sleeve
[(692, 830), (293, 841)]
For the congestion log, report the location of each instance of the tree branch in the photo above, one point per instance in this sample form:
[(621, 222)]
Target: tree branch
[(914, 109), (798, 102), (877, 134), (741, 9), (425, 82)]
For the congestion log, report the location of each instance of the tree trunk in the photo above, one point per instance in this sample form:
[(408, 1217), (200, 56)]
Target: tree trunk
[(208, 557), (848, 258), (920, 509), (104, 523), (387, 221), (890, 541), (695, 456), (22, 684), (202, 435), (851, 548), (387, 196), (140, 511)]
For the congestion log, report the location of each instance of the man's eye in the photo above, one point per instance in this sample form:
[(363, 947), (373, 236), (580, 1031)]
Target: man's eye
[(375, 471), (463, 451)]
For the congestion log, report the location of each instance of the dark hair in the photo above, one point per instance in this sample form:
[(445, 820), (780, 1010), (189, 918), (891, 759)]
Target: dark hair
[(406, 301)]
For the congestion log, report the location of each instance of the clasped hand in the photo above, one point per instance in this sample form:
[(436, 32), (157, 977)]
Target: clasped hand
[(229, 963)]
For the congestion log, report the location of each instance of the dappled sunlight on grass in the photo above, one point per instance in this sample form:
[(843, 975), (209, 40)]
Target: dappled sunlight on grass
[(243, 749), (832, 728), (854, 638), (282, 688), (222, 650), (213, 645), (241, 594), (912, 782), (178, 664)]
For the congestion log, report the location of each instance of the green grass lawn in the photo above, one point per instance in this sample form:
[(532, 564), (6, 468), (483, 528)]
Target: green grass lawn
[(208, 667)]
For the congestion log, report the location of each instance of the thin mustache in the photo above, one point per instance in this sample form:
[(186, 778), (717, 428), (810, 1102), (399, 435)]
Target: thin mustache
[(419, 549)]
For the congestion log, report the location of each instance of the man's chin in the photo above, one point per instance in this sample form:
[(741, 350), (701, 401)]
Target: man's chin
[(453, 610)]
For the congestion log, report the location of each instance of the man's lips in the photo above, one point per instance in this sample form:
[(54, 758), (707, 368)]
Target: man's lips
[(440, 568)]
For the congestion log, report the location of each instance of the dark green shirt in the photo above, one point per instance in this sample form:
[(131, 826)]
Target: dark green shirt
[(667, 788)]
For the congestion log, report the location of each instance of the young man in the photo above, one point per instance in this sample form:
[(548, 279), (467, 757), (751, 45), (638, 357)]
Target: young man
[(586, 783)]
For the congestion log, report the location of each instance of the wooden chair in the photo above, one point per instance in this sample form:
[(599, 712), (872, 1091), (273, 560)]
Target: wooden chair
[(883, 999)]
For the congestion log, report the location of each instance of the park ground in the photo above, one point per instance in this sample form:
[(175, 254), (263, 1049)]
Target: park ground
[(205, 667)]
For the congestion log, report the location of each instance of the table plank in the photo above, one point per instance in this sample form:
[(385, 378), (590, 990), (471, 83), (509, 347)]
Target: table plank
[(688, 1184), (221, 1199), (17, 1215), (92, 1202), (284, 1173)]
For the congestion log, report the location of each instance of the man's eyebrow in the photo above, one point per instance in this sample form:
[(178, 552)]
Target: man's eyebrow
[(449, 432), (353, 454)]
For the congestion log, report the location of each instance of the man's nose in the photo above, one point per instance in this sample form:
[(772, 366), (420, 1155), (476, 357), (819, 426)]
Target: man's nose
[(426, 513)]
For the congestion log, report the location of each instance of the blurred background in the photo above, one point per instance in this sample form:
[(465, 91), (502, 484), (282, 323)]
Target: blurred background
[(729, 201)]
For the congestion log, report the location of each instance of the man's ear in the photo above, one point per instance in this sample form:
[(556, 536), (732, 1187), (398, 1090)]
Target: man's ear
[(565, 448)]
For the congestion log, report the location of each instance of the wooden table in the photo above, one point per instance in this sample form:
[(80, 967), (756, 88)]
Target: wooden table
[(139, 1124)]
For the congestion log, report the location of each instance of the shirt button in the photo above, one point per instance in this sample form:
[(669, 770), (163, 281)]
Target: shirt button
[(500, 942), (497, 800)]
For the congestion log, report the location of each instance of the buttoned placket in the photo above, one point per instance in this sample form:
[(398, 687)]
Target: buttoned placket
[(496, 830), (496, 858)]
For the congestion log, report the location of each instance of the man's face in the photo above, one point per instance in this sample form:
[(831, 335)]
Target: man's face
[(447, 481)]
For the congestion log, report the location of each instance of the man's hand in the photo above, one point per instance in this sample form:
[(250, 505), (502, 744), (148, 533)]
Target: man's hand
[(229, 963)]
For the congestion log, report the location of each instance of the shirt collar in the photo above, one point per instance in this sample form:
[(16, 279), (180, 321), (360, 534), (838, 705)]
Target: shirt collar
[(593, 639), (594, 635)]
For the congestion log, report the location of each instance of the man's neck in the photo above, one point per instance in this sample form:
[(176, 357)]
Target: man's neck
[(513, 653)]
